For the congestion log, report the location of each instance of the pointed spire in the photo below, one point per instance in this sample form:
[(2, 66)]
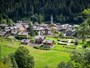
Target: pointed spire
[(51, 19)]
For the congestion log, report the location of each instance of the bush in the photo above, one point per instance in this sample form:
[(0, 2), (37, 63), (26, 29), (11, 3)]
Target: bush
[(21, 37), (76, 42), (65, 65), (85, 46), (36, 33), (72, 41), (36, 47), (44, 48), (32, 41)]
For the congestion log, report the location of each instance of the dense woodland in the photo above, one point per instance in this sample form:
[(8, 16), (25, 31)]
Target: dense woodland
[(63, 11)]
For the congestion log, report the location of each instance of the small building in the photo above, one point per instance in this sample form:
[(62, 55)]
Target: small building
[(39, 39), (43, 30), (2, 34), (69, 33), (14, 30), (22, 29), (23, 34), (11, 30), (48, 43), (25, 41), (3, 26), (47, 31), (22, 26)]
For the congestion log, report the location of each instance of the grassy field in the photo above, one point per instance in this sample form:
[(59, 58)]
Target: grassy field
[(43, 58)]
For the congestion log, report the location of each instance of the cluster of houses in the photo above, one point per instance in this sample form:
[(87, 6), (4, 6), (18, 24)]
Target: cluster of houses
[(45, 43), (21, 28)]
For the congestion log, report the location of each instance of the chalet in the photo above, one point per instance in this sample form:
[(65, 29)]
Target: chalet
[(22, 26), (25, 41), (69, 33), (44, 25), (48, 43), (23, 34), (66, 29), (14, 30), (53, 25), (11, 30), (47, 31), (43, 29), (7, 29), (22, 29), (3, 26), (37, 28), (39, 39), (2, 34)]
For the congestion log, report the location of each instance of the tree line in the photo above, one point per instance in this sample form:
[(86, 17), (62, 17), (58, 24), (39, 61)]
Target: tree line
[(63, 11)]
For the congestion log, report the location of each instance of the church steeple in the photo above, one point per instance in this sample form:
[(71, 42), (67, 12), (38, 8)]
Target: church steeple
[(51, 19)]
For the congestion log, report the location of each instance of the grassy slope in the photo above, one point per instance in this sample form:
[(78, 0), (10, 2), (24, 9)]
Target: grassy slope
[(48, 58), (43, 58)]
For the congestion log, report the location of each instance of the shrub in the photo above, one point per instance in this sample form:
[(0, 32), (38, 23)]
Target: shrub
[(65, 65), (76, 42), (21, 37), (36, 47)]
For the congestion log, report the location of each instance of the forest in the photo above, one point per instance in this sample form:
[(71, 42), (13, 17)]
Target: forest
[(63, 11)]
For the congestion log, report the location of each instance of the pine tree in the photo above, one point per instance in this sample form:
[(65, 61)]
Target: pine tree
[(40, 18), (31, 30)]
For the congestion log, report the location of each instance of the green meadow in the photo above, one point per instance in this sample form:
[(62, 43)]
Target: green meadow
[(43, 58)]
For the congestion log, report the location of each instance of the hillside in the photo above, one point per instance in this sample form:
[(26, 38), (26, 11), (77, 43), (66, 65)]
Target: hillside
[(63, 11)]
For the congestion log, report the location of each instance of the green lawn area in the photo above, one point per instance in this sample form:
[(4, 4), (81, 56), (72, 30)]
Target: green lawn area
[(43, 58)]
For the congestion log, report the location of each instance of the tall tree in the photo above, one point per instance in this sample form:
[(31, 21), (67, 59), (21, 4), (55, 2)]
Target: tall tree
[(40, 18), (83, 30), (9, 22), (23, 58), (31, 29)]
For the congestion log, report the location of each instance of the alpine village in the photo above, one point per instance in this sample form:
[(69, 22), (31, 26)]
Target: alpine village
[(44, 33)]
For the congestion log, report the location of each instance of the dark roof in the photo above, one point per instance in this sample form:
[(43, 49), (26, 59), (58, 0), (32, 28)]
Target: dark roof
[(25, 41), (39, 37), (23, 33), (2, 33)]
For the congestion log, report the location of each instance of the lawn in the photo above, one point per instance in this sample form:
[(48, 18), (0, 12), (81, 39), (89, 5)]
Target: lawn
[(43, 58)]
